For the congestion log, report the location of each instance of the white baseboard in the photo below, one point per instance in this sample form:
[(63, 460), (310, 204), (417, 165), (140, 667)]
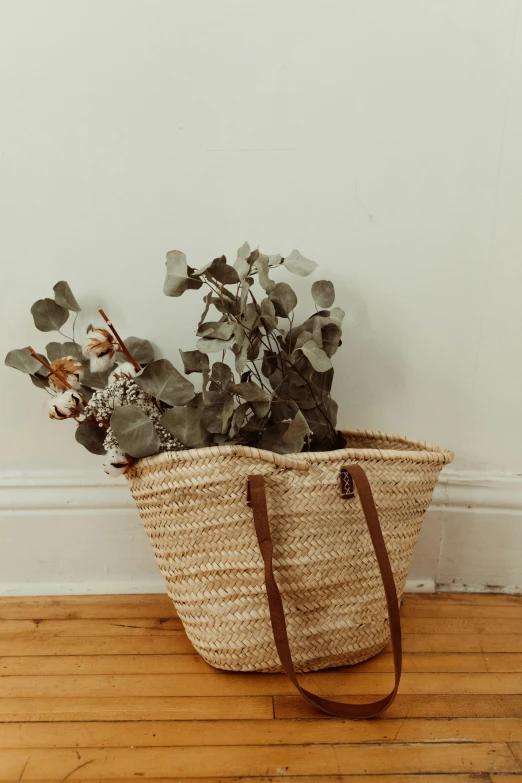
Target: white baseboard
[(77, 532)]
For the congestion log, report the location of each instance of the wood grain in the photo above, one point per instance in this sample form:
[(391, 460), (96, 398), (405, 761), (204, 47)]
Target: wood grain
[(87, 607), (227, 684), (254, 760), (193, 664), (154, 733), (114, 681), (483, 706)]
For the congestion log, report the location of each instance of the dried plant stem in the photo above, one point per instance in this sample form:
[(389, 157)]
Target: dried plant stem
[(122, 345)]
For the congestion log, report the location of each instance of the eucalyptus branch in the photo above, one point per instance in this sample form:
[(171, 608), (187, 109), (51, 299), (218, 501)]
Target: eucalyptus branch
[(73, 329), (71, 339)]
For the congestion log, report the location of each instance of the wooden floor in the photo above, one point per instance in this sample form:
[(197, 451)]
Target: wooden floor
[(109, 688)]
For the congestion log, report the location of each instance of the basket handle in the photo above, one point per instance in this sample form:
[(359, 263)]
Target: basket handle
[(257, 501)]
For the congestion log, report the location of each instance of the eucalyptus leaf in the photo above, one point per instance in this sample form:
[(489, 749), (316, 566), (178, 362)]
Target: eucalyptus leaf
[(283, 410), (251, 392), (23, 360), (254, 347), (299, 265), (141, 350), (316, 356), (238, 418), (242, 266), (296, 433), (262, 265), (275, 260), (268, 315), (222, 376), (272, 439), (241, 357), (57, 350), (49, 316), (331, 339), (91, 436), (186, 425), (209, 345), (216, 418), (208, 301), (221, 271), (40, 381), (179, 276), (86, 393), (283, 298), (95, 380), (193, 361), (303, 338), (134, 431), (160, 379), (323, 293), (322, 436), (64, 297), (337, 315), (243, 297), (218, 330), (212, 418), (317, 332), (261, 409)]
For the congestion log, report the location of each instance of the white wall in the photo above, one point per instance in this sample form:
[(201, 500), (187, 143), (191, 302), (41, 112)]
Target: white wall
[(381, 139)]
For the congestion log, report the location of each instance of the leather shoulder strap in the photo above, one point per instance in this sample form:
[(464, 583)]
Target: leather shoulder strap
[(257, 500)]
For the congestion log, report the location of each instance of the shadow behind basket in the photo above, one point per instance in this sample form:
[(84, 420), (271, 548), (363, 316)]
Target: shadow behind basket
[(194, 507)]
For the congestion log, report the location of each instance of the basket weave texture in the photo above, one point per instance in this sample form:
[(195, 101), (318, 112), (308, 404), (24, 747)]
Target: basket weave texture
[(194, 507)]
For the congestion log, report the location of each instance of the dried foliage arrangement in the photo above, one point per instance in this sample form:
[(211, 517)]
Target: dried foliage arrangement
[(263, 380)]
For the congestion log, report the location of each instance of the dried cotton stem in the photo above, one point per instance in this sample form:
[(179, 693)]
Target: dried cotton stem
[(120, 342)]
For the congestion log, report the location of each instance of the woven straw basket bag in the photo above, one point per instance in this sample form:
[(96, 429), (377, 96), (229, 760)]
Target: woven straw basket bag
[(290, 562)]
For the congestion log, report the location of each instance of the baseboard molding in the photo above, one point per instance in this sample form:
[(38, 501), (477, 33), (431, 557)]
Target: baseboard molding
[(78, 532)]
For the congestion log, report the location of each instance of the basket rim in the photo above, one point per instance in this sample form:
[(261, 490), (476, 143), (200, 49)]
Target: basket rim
[(423, 452)]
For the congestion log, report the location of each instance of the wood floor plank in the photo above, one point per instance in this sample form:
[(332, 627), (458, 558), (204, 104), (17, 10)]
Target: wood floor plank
[(114, 626), (516, 749), (193, 664), (404, 706), (503, 778), (318, 760), (243, 684), (455, 643), (467, 611), (73, 607), (156, 733), (117, 626), (470, 599), (129, 708), (176, 642), (460, 625), (478, 777), (20, 644), (43, 665)]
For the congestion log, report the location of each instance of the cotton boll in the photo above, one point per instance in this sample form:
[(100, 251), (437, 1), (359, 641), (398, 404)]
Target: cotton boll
[(124, 370), (117, 462), (65, 405), (99, 348), (101, 363), (67, 372)]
